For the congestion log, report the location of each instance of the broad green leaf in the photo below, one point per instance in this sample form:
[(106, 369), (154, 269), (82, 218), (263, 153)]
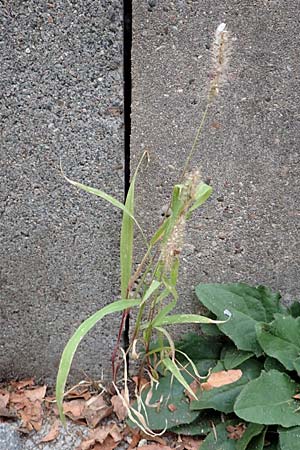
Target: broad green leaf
[(211, 330), (223, 398), (171, 366), (74, 341), (220, 399), (201, 426), (185, 318), (294, 309), (203, 351), (218, 439), (273, 446), (268, 400), (296, 365), (203, 192), (247, 305), (232, 357), (281, 339), (272, 363), (289, 439), (252, 430), (199, 347), (168, 392), (258, 442)]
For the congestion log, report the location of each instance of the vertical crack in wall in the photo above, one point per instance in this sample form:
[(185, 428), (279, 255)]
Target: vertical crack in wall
[(127, 43)]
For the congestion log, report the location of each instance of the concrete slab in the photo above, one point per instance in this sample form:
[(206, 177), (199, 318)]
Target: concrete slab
[(249, 152), (62, 97)]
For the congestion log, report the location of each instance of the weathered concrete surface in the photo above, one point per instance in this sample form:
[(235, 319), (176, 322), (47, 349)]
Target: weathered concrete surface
[(249, 230), (61, 87)]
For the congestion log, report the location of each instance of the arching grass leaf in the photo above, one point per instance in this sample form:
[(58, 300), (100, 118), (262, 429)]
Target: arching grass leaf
[(71, 347)]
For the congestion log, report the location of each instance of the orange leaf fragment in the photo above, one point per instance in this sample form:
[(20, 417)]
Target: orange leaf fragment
[(53, 433), (172, 407), (221, 378)]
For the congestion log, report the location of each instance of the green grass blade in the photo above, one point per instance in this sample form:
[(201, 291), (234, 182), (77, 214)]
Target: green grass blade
[(103, 195), (202, 194), (171, 366), (158, 319), (152, 288), (127, 234), (71, 347), (185, 318), (126, 241), (159, 234)]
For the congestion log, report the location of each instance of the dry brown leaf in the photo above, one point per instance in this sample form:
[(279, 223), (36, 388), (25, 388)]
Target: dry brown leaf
[(157, 439), (78, 392), (101, 436), (95, 410), (4, 412), (236, 432), (191, 443), (118, 407), (19, 400), (32, 416), (140, 381), (4, 398), (23, 383), (136, 437), (37, 393), (221, 378), (86, 445), (53, 433), (74, 409), (155, 447), (108, 444)]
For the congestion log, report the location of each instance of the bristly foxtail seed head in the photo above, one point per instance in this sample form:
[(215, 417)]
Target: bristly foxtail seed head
[(220, 57), (173, 247)]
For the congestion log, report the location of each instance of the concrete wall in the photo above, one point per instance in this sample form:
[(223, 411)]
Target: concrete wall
[(249, 152), (61, 84), (62, 95)]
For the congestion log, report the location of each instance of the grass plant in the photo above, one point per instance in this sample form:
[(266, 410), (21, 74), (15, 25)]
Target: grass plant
[(151, 288)]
